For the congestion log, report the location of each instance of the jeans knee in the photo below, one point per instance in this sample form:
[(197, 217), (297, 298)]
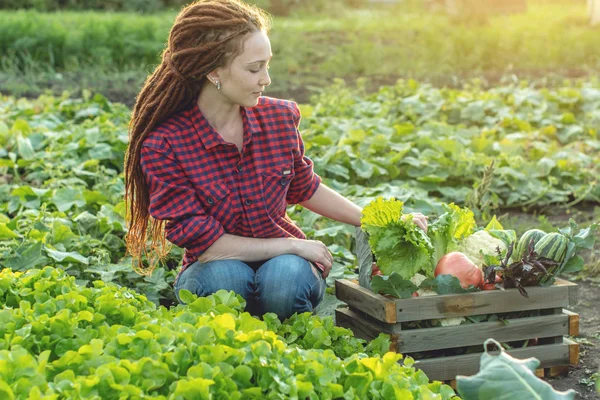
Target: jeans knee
[(191, 284), (288, 284), (206, 279)]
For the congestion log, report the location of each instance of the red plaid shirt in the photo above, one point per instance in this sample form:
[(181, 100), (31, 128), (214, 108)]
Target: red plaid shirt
[(205, 188)]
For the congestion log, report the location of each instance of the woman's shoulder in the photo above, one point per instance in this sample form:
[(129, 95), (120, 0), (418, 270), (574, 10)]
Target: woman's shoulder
[(267, 105), (172, 128)]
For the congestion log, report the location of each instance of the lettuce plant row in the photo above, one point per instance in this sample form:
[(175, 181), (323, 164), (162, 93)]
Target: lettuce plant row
[(59, 340)]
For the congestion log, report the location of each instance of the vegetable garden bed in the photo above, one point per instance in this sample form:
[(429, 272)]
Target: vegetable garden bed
[(540, 318)]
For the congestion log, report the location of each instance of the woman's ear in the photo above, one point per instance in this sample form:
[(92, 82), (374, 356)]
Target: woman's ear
[(213, 76)]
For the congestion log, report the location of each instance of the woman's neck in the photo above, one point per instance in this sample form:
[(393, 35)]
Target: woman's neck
[(221, 114)]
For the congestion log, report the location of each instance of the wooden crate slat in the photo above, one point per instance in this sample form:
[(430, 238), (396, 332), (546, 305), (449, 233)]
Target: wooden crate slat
[(417, 340), (484, 302), (345, 318), (573, 323), (573, 351), (561, 294), (445, 368), (366, 300)]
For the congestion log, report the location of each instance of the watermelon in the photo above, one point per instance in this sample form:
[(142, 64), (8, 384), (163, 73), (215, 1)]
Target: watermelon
[(523, 244), (553, 246)]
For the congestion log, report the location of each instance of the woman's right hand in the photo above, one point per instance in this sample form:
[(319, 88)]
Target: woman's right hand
[(315, 251)]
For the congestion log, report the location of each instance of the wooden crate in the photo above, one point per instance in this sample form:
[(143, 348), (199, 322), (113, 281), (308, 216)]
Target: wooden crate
[(369, 314)]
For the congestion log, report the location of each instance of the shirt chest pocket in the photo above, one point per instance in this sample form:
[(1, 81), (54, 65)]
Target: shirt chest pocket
[(215, 198), (275, 182)]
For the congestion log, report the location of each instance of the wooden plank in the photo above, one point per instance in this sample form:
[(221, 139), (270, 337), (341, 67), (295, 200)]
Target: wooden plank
[(416, 340), (573, 291), (573, 351), (446, 368), (558, 370), (373, 304), (557, 338), (362, 329), (484, 302), (539, 372), (573, 322)]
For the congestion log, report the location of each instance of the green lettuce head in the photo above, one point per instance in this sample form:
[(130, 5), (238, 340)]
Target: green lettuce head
[(398, 243)]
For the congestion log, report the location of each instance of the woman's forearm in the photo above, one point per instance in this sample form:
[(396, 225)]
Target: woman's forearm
[(232, 247), (330, 204)]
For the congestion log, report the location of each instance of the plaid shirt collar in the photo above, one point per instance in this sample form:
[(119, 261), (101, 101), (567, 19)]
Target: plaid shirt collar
[(210, 138)]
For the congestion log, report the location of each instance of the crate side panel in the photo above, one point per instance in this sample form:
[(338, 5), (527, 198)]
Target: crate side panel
[(365, 300), (445, 368), (415, 340), (484, 302)]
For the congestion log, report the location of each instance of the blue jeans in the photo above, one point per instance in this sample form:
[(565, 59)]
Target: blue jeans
[(284, 285)]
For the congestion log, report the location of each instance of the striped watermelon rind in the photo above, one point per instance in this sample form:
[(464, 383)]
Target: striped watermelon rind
[(552, 246), (523, 244)]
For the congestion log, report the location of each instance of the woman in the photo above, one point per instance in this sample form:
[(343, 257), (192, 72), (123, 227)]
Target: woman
[(215, 164)]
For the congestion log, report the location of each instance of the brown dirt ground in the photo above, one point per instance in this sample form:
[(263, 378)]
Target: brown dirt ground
[(588, 309)]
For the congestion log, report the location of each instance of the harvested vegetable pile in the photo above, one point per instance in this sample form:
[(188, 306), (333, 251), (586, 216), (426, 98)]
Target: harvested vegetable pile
[(454, 256)]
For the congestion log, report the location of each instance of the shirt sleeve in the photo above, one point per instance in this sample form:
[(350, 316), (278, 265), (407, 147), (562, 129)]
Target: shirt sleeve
[(306, 181), (173, 198)]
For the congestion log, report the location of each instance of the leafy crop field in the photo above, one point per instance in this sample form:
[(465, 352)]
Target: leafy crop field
[(62, 158), (515, 150)]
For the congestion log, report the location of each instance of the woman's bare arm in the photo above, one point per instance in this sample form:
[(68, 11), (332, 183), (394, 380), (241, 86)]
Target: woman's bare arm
[(330, 204), (232, 247)]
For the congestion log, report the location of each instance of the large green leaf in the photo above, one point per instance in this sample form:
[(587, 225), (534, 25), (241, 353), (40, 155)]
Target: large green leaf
[(29, 256), (6, 233), (65, 198), (502, 377), (72, 256), (394, 285)]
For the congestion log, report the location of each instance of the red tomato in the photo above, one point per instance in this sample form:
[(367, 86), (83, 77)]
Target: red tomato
[(459, 265)]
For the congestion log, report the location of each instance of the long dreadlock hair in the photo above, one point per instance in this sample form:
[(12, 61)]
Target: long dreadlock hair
[(207, 34)]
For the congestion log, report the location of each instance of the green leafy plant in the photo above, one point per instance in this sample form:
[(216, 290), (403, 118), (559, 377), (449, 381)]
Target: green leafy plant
[(59, 339)]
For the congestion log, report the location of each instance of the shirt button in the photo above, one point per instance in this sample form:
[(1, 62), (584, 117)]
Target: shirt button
[(210, 200), (283, 182), (248, 202), (239, 168)]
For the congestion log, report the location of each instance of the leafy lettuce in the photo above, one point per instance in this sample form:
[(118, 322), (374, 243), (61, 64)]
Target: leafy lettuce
[(449, 229), (402, 247), (398, 244)]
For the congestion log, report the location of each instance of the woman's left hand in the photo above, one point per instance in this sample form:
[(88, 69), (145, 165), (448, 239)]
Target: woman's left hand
[(419, 219)]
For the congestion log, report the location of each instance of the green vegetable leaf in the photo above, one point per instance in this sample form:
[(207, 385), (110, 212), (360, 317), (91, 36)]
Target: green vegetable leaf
[(6, 233), (398, 243), (65, 198), (393, 284), (446, 284), (494, 225), (448, 229), (382, 212), (502, 377), (72, 256), (30, 256)]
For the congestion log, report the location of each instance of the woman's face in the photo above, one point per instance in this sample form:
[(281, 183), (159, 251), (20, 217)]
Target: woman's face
[(247, 75)]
